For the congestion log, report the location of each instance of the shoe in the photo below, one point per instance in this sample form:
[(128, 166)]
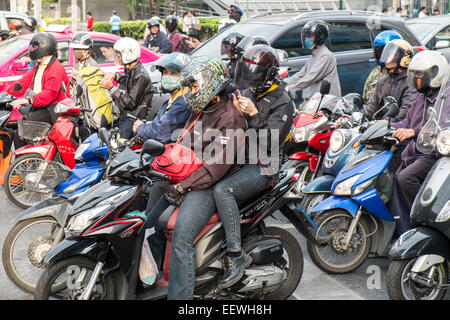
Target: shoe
[(234, 269)]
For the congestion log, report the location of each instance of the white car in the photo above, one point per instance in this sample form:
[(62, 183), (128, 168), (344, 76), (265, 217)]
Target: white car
[(7, 16)]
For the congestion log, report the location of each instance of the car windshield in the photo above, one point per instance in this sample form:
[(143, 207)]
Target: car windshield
[(422, 30), (212, 46), (10, 47)]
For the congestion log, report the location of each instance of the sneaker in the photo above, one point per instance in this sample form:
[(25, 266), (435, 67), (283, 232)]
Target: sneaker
[(234, 269)]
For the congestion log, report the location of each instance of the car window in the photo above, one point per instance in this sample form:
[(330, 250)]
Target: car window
[(10, 47), (103, 51), (422, 30), (63, 52), (346, 36), (291, 42), (16, 21), (444, 34)]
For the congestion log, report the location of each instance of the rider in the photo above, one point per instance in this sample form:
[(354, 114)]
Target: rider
[(204, 82), (172, 115), (426, 74), (396, 57), (266, 107), (322, 64), (235, 14), (29, 25), (135, 86), (228, 48), (47, 79), (156, 40), (174, 35), (379, 71)]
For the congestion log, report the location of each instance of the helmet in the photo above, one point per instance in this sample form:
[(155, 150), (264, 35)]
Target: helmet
[(397, 51), (82, 40), (30, 23), (174, 62), (380, 41), (210, 76), (171, 23), (42, 44), (15, 25), (152, 22), (127, 50), (230, 42), (248, 42), (427, 70), (317, 30), (257, 69), (235, 12)]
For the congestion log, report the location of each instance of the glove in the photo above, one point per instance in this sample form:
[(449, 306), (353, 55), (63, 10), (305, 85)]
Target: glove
[(174, 194)]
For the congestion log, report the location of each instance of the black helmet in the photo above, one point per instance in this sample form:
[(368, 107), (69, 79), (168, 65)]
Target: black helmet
[(248, 42), (82, 40), (316, 30), (152, 22), (258, 68), (42, 44), (30, 23), (235, 12), (230, 42), (171, 23)]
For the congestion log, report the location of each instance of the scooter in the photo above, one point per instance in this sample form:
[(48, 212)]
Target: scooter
[(419, 267), (354, 220), (103, 251)]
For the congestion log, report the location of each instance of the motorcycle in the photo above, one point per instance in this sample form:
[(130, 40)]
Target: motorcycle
[(419, 267), (99, 259), (354, 220)]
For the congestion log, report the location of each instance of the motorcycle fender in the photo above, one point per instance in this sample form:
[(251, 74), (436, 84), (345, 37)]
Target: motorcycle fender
[(320, 185), (45, 149), (307, 156), (424, 262), (334, 202), (57, 208), (420, 241), (95, 249)]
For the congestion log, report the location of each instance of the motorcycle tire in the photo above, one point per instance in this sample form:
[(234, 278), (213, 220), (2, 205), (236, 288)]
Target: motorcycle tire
[(9, 175), (294, 253), (35, 252), (335, 239), (310, 201), (397, 283), (46, 281)]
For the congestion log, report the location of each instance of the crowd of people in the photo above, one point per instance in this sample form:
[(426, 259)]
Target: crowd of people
[(245, 93)]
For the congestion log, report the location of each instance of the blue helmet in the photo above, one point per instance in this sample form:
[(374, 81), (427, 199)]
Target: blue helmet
[(381, 40), (174, 62)]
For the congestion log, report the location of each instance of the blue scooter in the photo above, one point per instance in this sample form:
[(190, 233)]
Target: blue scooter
[(355, 220)]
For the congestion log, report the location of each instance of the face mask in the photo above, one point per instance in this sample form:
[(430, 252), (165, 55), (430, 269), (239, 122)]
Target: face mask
[(309, 43), (170, 83)]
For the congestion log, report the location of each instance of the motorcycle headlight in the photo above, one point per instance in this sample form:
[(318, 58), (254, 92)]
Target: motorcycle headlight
[(444, 215), (82, 220), (336, 141), (344, 188), (361, 187), (443, 142), (80, 150), (301, 134)]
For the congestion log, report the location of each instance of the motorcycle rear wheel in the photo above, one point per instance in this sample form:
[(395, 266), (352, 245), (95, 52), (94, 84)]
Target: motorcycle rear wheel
[(70, 269)]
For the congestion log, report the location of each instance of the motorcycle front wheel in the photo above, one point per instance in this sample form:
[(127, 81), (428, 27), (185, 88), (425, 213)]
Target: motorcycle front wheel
[(330, 255), (400, 286), (24, 248), (75, 272)]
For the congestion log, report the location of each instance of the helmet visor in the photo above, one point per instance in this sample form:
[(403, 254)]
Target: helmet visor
[(377, 51), (250, 75), (197, 89), (420, 80), (392, 53)]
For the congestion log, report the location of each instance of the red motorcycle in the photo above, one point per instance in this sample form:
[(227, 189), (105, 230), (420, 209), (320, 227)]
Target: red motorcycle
[(39, 167)]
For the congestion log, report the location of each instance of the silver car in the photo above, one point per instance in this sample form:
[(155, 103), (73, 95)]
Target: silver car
[(7, 16), (433, 32)]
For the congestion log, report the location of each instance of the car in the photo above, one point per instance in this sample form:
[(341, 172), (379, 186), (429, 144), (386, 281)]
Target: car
[(7, 16), (352, 34), (433, 32), (13, 62)]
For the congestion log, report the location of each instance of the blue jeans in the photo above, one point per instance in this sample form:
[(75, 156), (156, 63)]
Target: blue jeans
[(242, 185), (195, 211)]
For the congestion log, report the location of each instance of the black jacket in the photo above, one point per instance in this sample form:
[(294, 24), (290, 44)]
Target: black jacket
[(135, 89)]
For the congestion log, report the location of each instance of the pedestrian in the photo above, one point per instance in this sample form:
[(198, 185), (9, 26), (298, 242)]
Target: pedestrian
[(436, 12), (115, 23), (399, 12), (423, 12), (90, 21), (191, 27)]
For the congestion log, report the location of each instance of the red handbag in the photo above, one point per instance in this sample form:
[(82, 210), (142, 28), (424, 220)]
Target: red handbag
[(177, 162)]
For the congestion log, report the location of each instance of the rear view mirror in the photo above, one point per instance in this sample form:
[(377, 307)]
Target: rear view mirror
[(79, 91), (441, 44), (282, 56), (104, 135), (17, 87), (17, 65), (358, 102), (393, 108), (103, 121), (153, 148), (325, 87)]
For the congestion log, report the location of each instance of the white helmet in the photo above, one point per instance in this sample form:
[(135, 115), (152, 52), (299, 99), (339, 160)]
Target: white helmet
[(427, 70), (127, 50)]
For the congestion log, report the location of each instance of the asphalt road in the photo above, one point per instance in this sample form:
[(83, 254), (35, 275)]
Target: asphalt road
[(365, 283)]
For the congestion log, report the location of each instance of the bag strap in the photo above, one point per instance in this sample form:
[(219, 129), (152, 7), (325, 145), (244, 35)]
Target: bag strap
[(188, 129)]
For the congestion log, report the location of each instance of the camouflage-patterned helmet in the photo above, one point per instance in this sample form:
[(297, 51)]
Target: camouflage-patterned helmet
[(201, 80)]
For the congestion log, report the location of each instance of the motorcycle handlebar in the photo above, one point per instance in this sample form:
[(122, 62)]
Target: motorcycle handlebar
[(160, 175)]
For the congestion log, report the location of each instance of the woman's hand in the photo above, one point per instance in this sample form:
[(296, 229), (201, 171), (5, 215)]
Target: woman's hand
[(244, 105)]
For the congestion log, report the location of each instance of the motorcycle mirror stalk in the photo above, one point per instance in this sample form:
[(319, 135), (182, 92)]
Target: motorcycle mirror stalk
[(324, 90)]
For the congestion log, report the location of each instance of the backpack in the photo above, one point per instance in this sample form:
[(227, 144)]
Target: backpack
[(95, 98)]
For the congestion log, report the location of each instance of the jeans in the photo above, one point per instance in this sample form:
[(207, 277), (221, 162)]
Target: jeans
[(195, 211), (242, 185)]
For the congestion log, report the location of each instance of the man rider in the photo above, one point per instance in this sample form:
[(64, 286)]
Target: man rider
[(228, 48), (29, 25), (156, 40), (379, 71), (321, 65), (174, 35), (135, 92), (235, 14), (426, 74)]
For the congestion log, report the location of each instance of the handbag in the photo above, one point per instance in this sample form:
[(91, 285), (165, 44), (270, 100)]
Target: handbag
[(177, 162)]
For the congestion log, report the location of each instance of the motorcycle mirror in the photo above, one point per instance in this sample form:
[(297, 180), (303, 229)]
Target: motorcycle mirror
[(393, 109), (153, 148), (79, 91), (358, 102), (103, 121), (325, 87), (104, 135), (17, 87), (282, 56)]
